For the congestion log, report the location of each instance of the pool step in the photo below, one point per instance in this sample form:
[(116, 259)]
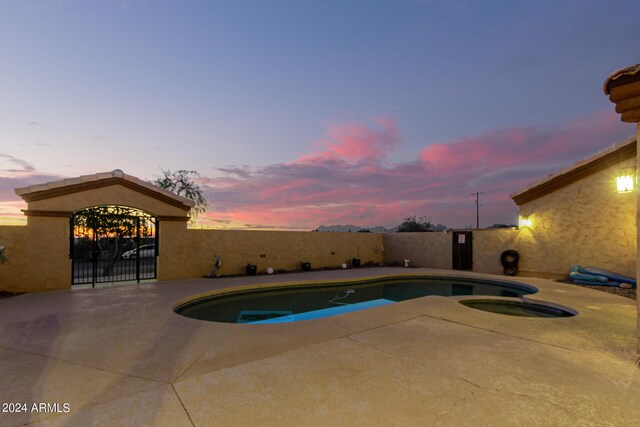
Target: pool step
[(325, 312)]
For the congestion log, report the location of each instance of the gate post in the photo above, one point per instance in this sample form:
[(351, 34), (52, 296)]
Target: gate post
[(138, 248)]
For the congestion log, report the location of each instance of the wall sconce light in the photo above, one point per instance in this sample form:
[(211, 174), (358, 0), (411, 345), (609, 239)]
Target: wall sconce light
[(524, 222), (625, 180)]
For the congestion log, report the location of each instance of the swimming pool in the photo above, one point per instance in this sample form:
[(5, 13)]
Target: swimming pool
[(306, 301)]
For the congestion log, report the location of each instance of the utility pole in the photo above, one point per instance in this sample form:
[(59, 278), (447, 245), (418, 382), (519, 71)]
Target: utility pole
[(477, 194)]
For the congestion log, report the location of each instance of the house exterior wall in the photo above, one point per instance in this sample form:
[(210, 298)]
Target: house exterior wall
[(586, 223), (637, 241)]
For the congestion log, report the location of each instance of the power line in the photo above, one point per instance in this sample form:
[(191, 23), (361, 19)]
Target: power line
[(477, 194)]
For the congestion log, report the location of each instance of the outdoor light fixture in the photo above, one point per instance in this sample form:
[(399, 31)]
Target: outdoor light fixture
[(524, 222), (625, 180)]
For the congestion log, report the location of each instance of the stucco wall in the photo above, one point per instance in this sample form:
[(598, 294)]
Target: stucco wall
[(637, 239), (488, 246), (37, 256), (192, 253), (432, 250), (587, 223), (12, 269)]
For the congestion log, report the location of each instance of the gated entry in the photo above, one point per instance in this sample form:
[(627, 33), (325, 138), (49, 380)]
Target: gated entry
[(112, 244)]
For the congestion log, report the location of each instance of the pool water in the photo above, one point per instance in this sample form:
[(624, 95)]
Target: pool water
[(312, 301), (518, 308)]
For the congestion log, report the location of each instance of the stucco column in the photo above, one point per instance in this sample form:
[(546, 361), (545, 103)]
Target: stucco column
[(623, 88)]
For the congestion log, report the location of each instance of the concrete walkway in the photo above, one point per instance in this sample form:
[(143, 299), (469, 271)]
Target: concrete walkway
[(121, 356)]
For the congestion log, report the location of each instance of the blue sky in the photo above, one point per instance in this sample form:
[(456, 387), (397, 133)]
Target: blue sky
[(302, 113)]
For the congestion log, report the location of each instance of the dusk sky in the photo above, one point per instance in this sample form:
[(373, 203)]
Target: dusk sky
[(303, 113)]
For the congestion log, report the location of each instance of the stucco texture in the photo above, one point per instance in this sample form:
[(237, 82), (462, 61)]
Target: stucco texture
[(586, 223), (37, 256), (488, 246), (192, 253), (432, 250)]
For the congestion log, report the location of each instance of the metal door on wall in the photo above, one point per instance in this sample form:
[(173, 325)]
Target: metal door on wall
[(112, 244), (462, 250)]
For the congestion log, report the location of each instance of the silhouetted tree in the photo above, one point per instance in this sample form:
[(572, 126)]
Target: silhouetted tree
[(183, 183), (411, 224)]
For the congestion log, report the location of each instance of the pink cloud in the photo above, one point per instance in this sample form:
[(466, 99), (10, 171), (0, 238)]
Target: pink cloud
[(504, 148), (356, 142), (349, 180)]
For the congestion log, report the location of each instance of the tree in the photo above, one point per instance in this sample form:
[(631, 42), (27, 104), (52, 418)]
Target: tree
[(111, 227), (412, 224), (183, 183)]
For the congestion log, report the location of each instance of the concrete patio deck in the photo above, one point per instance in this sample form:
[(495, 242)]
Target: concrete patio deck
[(121, 356)]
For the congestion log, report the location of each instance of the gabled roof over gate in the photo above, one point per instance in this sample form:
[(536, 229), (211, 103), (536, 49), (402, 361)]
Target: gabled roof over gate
[(602, 160), (65, 191)]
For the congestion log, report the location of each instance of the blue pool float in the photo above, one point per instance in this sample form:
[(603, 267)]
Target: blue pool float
[(607, 283), (600, 277), (610, 275), (576, 275)]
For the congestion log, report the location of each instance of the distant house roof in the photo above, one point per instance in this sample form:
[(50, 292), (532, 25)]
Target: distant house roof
[(620, 77), (52, 189), (602, 160)]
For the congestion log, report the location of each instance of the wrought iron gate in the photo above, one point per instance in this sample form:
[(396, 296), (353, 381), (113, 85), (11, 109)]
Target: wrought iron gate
[(112, 244)]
